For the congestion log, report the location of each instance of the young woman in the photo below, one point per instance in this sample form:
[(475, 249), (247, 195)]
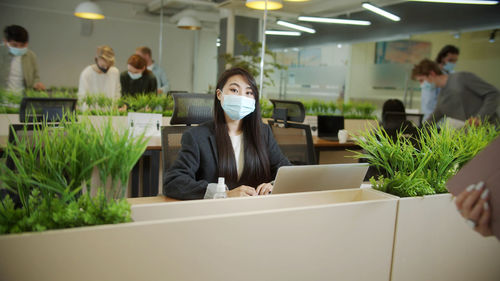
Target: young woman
[(138, 79), (102, 77), (236, 145)]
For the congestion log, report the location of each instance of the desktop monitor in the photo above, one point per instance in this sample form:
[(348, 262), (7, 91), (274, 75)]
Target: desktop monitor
[(329, 126)]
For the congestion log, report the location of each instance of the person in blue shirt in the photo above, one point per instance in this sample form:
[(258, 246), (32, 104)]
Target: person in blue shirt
[(447, 59), (161, 76)]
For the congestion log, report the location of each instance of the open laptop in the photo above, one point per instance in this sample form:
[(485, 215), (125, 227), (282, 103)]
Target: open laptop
[(319, 177), (329, 126)]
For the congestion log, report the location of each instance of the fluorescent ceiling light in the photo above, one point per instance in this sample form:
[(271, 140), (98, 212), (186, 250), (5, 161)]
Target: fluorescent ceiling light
[(296, 26), (381, 12), (281, 32), (338, 21), (478, 2), (89, 10), (260, 4)]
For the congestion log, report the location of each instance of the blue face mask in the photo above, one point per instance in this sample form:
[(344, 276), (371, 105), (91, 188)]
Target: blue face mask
[(449, 66), (427, 86), (237, 107), (17, 51), (134, 76)]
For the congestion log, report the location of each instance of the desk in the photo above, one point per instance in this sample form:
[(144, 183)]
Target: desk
[(327, 145), (150, 200)]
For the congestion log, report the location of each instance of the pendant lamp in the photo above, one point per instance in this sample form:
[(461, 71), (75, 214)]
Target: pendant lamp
[(89, 10), (189, 23), (260, 4)]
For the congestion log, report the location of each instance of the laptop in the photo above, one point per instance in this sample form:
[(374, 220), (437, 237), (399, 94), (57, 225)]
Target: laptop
[(329, 126), (319, 177)]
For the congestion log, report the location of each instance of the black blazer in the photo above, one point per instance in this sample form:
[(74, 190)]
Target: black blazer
[(196, 163)]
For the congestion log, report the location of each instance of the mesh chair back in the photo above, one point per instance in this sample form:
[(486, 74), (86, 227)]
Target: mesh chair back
[(295, 110), (295, 142), (192, 108), (171, 144), (50, 109)]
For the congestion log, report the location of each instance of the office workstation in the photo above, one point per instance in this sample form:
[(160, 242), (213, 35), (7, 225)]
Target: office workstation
[(153, 140)]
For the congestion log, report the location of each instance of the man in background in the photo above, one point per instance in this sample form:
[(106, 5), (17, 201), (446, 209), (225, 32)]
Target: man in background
[(18, 66), (463, 95), (446, 59), (161, 77)]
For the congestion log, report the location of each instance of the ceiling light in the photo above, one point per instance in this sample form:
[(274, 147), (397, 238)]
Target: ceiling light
[(381, 12), (261, 4), (338, 21), (297, 0), (89, 10), (296, 26), (479, 2), (281, 32), (189, 23)]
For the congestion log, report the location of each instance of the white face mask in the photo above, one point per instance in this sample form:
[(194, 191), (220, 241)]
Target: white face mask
[(237, 107), (134, 76), (17, 51)]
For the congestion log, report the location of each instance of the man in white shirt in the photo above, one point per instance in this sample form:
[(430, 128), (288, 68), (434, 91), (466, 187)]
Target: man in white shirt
[(18, 66), (161, 76), (101, 78)]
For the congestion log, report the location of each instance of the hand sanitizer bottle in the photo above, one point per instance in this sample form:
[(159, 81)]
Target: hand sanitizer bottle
[(220, 191)]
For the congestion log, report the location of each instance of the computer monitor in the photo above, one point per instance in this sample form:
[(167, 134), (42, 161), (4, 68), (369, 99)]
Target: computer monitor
[(329, 126), (48, 109)]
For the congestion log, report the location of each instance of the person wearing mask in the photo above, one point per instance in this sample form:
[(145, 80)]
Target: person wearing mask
[(18, 65), (235, 145), (463, 95), (137, 79), (102, 77), (446, 59), (161, 76)]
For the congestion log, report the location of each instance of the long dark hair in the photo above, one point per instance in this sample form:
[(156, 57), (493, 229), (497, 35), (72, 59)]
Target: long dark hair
[(256, 168)]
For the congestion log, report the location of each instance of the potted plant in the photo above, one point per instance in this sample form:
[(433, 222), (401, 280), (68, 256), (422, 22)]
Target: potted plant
[(432, 242)]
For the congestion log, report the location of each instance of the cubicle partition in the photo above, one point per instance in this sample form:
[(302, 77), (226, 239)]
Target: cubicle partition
[(433, 242), (341, 235)]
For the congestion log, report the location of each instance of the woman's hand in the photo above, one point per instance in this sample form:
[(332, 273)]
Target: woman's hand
[(264, 188), (241, 191), (473, 205)]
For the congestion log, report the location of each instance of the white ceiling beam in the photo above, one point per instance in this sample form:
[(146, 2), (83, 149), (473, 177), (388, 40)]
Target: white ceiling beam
[(155, 6)]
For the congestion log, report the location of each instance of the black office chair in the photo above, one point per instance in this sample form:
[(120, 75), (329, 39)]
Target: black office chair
[(189, 109), (192, 108), (45, 109), (294, 139)]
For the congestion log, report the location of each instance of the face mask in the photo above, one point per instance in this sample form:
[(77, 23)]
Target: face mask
[(17, 51), (104, 70), (427, 86), (237, 107), (134, 76), (449, 66)]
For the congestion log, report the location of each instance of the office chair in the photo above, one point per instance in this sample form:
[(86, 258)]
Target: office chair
[(48, 109), (294, 139), (189, 109)]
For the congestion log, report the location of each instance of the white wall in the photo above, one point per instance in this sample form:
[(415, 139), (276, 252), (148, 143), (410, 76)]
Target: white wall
[(55, 37)]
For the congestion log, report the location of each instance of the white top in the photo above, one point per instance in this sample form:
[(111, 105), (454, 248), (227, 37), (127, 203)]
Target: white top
[(239, 155), (15, 82), (94, 83)]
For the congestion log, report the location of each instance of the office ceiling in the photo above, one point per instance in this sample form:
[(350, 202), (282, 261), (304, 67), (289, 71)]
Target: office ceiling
[(416, 18)]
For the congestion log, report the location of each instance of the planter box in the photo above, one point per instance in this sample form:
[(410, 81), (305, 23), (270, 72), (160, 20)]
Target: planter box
[(433, 242), (345, 234)]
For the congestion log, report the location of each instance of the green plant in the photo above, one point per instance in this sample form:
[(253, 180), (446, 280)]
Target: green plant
[(251, 57), (421, 165), (52, 172)]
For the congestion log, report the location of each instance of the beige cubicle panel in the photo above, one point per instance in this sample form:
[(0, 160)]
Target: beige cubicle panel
[(301, 236), (433, 242)]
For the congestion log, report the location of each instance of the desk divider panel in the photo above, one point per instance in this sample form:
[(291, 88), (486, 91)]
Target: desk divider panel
[(322, 237)]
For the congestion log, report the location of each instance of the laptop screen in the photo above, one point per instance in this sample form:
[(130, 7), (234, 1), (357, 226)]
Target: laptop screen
[(329, 126)]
